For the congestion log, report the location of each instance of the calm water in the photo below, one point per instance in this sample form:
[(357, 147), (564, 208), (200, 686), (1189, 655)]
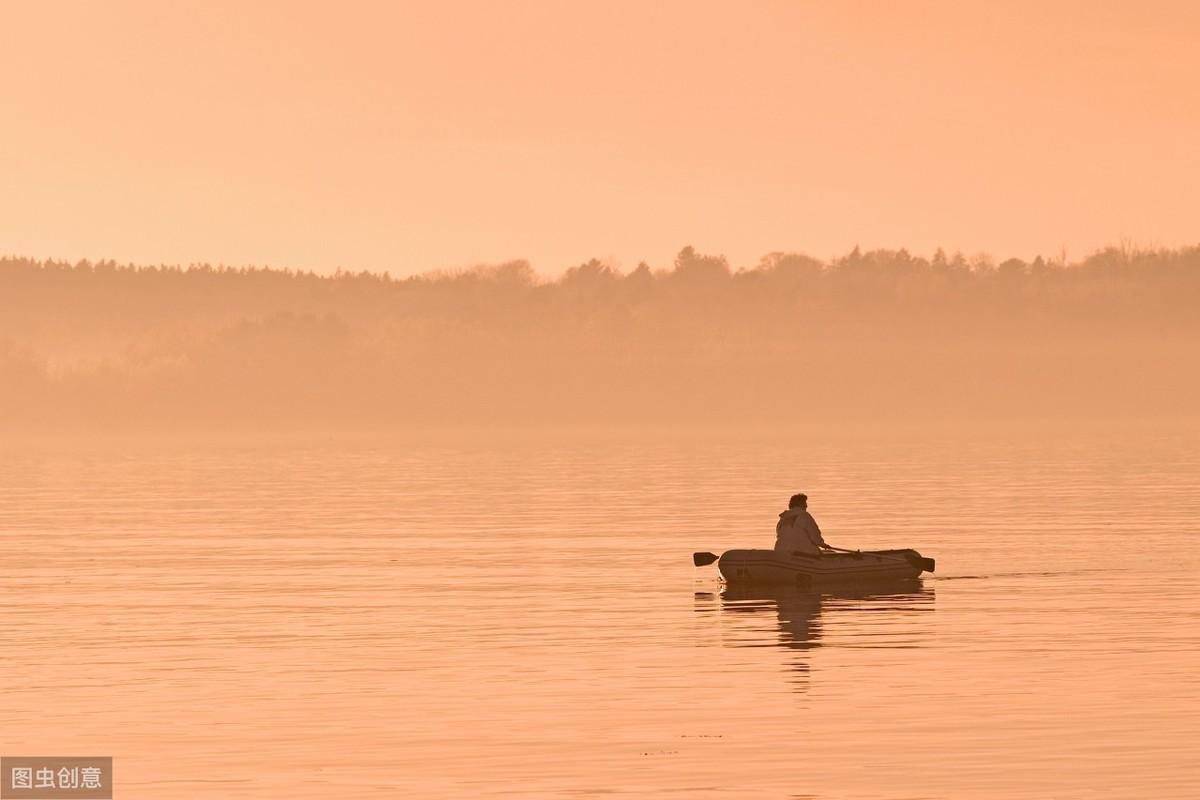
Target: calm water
[(474, 621)]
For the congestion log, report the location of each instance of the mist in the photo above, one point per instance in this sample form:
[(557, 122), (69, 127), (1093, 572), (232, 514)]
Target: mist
[(790, 341)]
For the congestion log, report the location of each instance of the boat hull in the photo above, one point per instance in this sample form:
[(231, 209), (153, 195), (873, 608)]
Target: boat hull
[(772, 567)]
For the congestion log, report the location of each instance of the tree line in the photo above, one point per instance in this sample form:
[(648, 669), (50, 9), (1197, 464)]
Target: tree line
[(866, 334)]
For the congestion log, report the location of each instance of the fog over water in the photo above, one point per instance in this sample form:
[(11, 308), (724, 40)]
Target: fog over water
[(882, 336), (431, 537)]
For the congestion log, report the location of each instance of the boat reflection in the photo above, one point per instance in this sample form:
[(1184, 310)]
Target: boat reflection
[(874, 616)]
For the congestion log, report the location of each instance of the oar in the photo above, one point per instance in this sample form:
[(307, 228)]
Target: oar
[(704, 559), (860, 552), (926, 564)]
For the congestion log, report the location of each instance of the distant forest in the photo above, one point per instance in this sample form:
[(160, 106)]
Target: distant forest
[(874, 335)]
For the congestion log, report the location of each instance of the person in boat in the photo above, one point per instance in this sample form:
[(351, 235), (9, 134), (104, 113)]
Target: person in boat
[(797, 531)]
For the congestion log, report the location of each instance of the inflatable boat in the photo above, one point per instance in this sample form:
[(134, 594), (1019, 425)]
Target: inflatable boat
[(804, 569)]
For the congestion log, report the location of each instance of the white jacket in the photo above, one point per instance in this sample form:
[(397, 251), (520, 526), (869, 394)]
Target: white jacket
[(797, 531)]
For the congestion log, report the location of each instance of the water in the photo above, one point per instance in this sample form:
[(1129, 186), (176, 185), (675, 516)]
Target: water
[(495, 620)]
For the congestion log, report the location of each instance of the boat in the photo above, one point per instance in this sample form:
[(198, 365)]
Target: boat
[(808, 569)]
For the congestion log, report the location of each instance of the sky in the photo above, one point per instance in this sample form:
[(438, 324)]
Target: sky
[(413, 136)]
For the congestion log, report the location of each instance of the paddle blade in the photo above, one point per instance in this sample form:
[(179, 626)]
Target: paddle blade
[(703, 559)]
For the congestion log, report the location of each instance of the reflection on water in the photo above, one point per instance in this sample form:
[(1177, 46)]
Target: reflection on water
[(798, 620), (458, 621)]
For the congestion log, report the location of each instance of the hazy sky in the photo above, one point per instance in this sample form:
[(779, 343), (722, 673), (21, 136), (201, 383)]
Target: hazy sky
[(412, 136)]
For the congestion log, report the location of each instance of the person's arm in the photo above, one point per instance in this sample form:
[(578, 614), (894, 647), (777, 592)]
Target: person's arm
[(817, 530)]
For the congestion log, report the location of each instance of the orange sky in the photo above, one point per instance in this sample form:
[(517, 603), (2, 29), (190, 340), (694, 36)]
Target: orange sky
[(412, 136)]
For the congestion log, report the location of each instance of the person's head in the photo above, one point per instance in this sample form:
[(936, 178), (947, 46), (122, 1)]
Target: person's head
[(798, 501)]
